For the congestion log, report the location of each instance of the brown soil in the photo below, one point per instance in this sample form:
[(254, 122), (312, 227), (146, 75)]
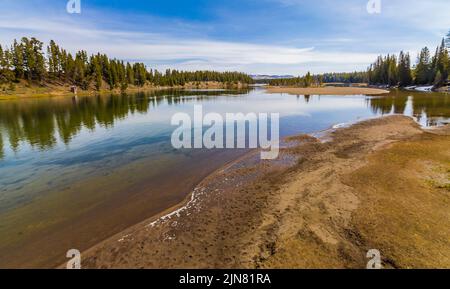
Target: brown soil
[(380, 184)]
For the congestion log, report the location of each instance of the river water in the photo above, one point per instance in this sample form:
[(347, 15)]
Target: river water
[(74, 171)]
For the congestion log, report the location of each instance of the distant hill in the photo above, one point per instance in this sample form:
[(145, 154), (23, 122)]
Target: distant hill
[(269, 77)]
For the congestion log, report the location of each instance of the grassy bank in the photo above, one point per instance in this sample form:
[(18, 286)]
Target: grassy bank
[(25, 90)]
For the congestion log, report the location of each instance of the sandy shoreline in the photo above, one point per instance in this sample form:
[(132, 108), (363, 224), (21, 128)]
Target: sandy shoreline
[(331, 90), (167, 213), (307, 210)]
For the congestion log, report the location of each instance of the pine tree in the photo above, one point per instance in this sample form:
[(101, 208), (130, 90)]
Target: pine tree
[(140, 74), (447, 39), (442, 60), (54, 60), (392, 71), (40, 70), (69, 68), (423, 70), (130, 74), (308, 79), (98, 78), (33, 59), (28, 58), (18, 62), (6, 72), (79, 71), (404, 70)]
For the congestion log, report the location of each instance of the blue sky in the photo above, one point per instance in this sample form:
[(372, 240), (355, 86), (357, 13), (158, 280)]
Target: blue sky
[(261, 37)]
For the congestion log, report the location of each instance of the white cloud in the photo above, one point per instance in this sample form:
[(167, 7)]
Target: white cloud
[(163, 51), (343, 51), (433, 15)]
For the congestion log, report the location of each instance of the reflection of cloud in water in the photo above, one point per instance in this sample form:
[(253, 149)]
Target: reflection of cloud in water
[(62, 125)]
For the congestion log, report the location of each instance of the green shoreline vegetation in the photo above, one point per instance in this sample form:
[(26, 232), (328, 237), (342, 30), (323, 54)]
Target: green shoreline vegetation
[(25, 70), (390, 70)]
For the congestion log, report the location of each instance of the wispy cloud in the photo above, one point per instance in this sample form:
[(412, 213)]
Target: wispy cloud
[(163, 50), (329, 35)]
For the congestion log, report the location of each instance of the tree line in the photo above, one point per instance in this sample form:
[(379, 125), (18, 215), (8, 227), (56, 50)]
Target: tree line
[(428, 70), (27, 60), (300, 81), (390, 70), (345, 77), (318, 79)]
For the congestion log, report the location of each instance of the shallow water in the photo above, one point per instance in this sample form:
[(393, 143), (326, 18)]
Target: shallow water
[(74, 171)]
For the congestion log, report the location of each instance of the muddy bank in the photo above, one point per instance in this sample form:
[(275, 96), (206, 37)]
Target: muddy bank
[(380, 184)]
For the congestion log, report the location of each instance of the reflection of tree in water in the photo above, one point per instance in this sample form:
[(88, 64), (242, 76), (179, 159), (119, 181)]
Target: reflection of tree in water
[(389, 104), (432, 105), (306, 98), (37, 121)]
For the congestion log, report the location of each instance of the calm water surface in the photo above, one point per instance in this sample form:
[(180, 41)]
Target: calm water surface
[(74, 171)]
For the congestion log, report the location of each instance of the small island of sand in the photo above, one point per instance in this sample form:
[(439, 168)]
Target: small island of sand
[(329, 90)]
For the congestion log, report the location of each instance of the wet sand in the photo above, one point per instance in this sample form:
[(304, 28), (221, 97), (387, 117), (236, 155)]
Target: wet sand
[(379, 184), (330, 90)]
